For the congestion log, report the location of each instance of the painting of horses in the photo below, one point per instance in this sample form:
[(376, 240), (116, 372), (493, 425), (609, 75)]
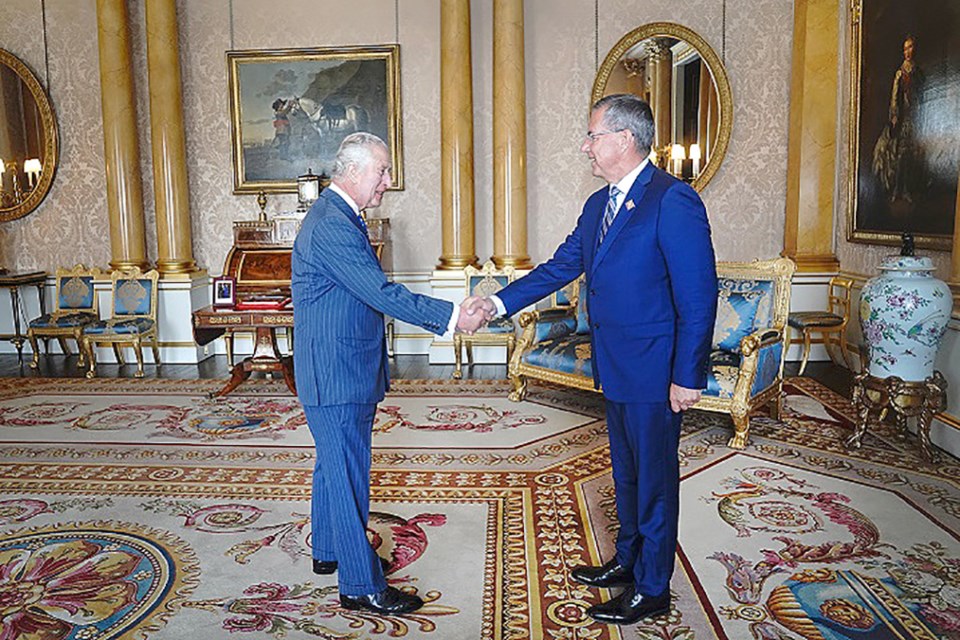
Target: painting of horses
[(290, 109), (904, 142)]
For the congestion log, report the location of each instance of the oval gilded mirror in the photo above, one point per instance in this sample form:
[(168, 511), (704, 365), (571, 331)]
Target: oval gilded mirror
[(684, 81), (28, 139)]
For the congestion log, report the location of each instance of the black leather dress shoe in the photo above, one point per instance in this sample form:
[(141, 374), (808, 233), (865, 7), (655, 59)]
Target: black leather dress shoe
[(326, 567), (390, 602), (611, 574), (630, 607)]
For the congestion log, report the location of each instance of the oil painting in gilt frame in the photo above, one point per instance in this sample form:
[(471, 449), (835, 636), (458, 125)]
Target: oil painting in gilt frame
[(290, 109), (904, 113)]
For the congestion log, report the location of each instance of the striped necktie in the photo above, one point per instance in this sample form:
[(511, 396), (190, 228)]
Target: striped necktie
[(609, 213), (363, 225)]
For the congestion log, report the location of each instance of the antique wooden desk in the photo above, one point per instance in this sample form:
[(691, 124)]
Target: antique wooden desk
[(259, 261), (13, 282), (210, 323)]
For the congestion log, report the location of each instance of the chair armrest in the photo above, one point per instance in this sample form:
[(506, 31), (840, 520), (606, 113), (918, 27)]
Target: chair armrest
[(760, 338)]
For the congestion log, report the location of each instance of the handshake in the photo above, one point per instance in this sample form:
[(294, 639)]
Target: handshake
[(475, 312)]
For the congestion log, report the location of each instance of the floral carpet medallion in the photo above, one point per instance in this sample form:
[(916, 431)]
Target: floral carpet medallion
[(480, 506), (90, 580)]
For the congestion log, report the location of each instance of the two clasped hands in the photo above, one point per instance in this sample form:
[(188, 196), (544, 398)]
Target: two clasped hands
[(475, 312)]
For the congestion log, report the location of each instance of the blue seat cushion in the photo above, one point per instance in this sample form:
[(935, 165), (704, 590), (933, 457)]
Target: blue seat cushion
[(722, 373), (808, 319), (132, 326), (500, 325), (47, 321), (567, 354)]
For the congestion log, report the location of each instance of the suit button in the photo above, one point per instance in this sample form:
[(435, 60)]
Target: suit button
[(593, 292), (596, 325)]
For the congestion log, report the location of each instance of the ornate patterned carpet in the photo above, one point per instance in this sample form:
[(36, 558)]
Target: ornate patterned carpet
[(141, 509)]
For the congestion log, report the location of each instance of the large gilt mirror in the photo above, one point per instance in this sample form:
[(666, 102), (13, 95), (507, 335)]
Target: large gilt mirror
[(683, 79), (28, 139)]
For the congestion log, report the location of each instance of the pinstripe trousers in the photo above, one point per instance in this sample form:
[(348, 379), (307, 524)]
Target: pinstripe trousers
[(340, 502)]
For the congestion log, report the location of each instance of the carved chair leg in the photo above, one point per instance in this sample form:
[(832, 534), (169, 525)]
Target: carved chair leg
[(776, 405), (741, 428), (89, 346), (228, 343), (847, 362), (118, 352), (519, 388), (457, 356), (156, 350), (64, 347), (138, 350), (35, 360), (81, 354), (806, 351), (470, 354)]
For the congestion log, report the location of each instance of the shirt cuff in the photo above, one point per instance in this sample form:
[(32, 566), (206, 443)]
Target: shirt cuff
[(501, 309), (454, 319)]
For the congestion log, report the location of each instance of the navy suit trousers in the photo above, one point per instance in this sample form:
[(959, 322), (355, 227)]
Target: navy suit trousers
[(644, 438), (341, 494)]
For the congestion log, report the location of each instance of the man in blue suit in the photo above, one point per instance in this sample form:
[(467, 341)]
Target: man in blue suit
[(651, 287), (340, 295)]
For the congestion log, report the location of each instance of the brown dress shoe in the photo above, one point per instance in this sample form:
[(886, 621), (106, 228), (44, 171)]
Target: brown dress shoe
[(612, 574), (630, 607), (389, 602)]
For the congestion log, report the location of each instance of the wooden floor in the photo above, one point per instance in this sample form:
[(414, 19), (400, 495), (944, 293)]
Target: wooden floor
[(408, 367)]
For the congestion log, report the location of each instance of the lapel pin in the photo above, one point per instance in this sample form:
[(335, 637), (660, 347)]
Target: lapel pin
[(630, 205)]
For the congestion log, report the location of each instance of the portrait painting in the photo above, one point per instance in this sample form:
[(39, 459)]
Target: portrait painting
[(290, 110), (904, 121)]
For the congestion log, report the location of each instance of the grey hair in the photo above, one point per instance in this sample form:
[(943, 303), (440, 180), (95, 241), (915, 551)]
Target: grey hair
[(355, 150), (628, 112)]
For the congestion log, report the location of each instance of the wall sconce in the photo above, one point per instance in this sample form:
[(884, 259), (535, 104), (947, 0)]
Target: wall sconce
[(678, 154), (695, 156), (32, 168), (308, 190)]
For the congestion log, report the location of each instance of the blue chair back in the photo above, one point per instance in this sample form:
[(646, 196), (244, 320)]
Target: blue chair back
[(75, 289), (135, 293)]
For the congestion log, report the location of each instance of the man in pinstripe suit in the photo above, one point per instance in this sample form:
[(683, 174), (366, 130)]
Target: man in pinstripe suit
[(340, 295)]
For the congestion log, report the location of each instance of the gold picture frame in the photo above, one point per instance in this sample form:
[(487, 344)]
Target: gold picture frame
[(902, 140), (291, 108)]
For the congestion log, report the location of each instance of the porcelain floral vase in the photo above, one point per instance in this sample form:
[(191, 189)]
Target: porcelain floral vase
[(903, 314)]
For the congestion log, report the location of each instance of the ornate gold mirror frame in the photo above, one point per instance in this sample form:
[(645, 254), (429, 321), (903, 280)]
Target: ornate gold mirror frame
[(29, 144), (651, 44)]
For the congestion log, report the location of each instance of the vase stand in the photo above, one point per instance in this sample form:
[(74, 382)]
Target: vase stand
[(875, 397)]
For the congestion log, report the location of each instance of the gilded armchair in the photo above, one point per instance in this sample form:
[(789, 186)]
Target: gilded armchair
[(746, 361), (76, 307), (484, 282), (133, 319)]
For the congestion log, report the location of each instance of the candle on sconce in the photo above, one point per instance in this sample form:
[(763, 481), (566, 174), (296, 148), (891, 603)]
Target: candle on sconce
[(32, 168), (678, 154), (695, 156)]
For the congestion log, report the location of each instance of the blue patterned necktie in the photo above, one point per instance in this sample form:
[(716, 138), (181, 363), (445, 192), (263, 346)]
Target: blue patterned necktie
[(609, 213), (363, 225)]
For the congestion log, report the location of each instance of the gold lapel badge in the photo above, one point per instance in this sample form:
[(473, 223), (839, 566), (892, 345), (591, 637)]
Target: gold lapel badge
[(630, 205)]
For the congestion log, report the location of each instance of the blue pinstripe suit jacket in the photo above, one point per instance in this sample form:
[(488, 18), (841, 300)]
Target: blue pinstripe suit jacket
[(340, 295)]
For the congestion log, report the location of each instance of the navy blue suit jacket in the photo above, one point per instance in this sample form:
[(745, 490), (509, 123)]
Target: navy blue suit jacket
[(651, 288), (340, 295)]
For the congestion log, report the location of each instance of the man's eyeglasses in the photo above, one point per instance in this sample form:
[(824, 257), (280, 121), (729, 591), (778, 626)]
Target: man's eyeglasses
[(593, 135)]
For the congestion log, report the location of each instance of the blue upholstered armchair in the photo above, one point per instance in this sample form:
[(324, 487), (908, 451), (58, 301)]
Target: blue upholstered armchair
[(133, 320), (746, 362), (76, 307)]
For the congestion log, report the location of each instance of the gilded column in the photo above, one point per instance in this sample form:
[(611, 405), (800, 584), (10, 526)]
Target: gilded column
[(456, 137), (509, 137), (811, 148), (661, 98), (171, 189), (128, 244)]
